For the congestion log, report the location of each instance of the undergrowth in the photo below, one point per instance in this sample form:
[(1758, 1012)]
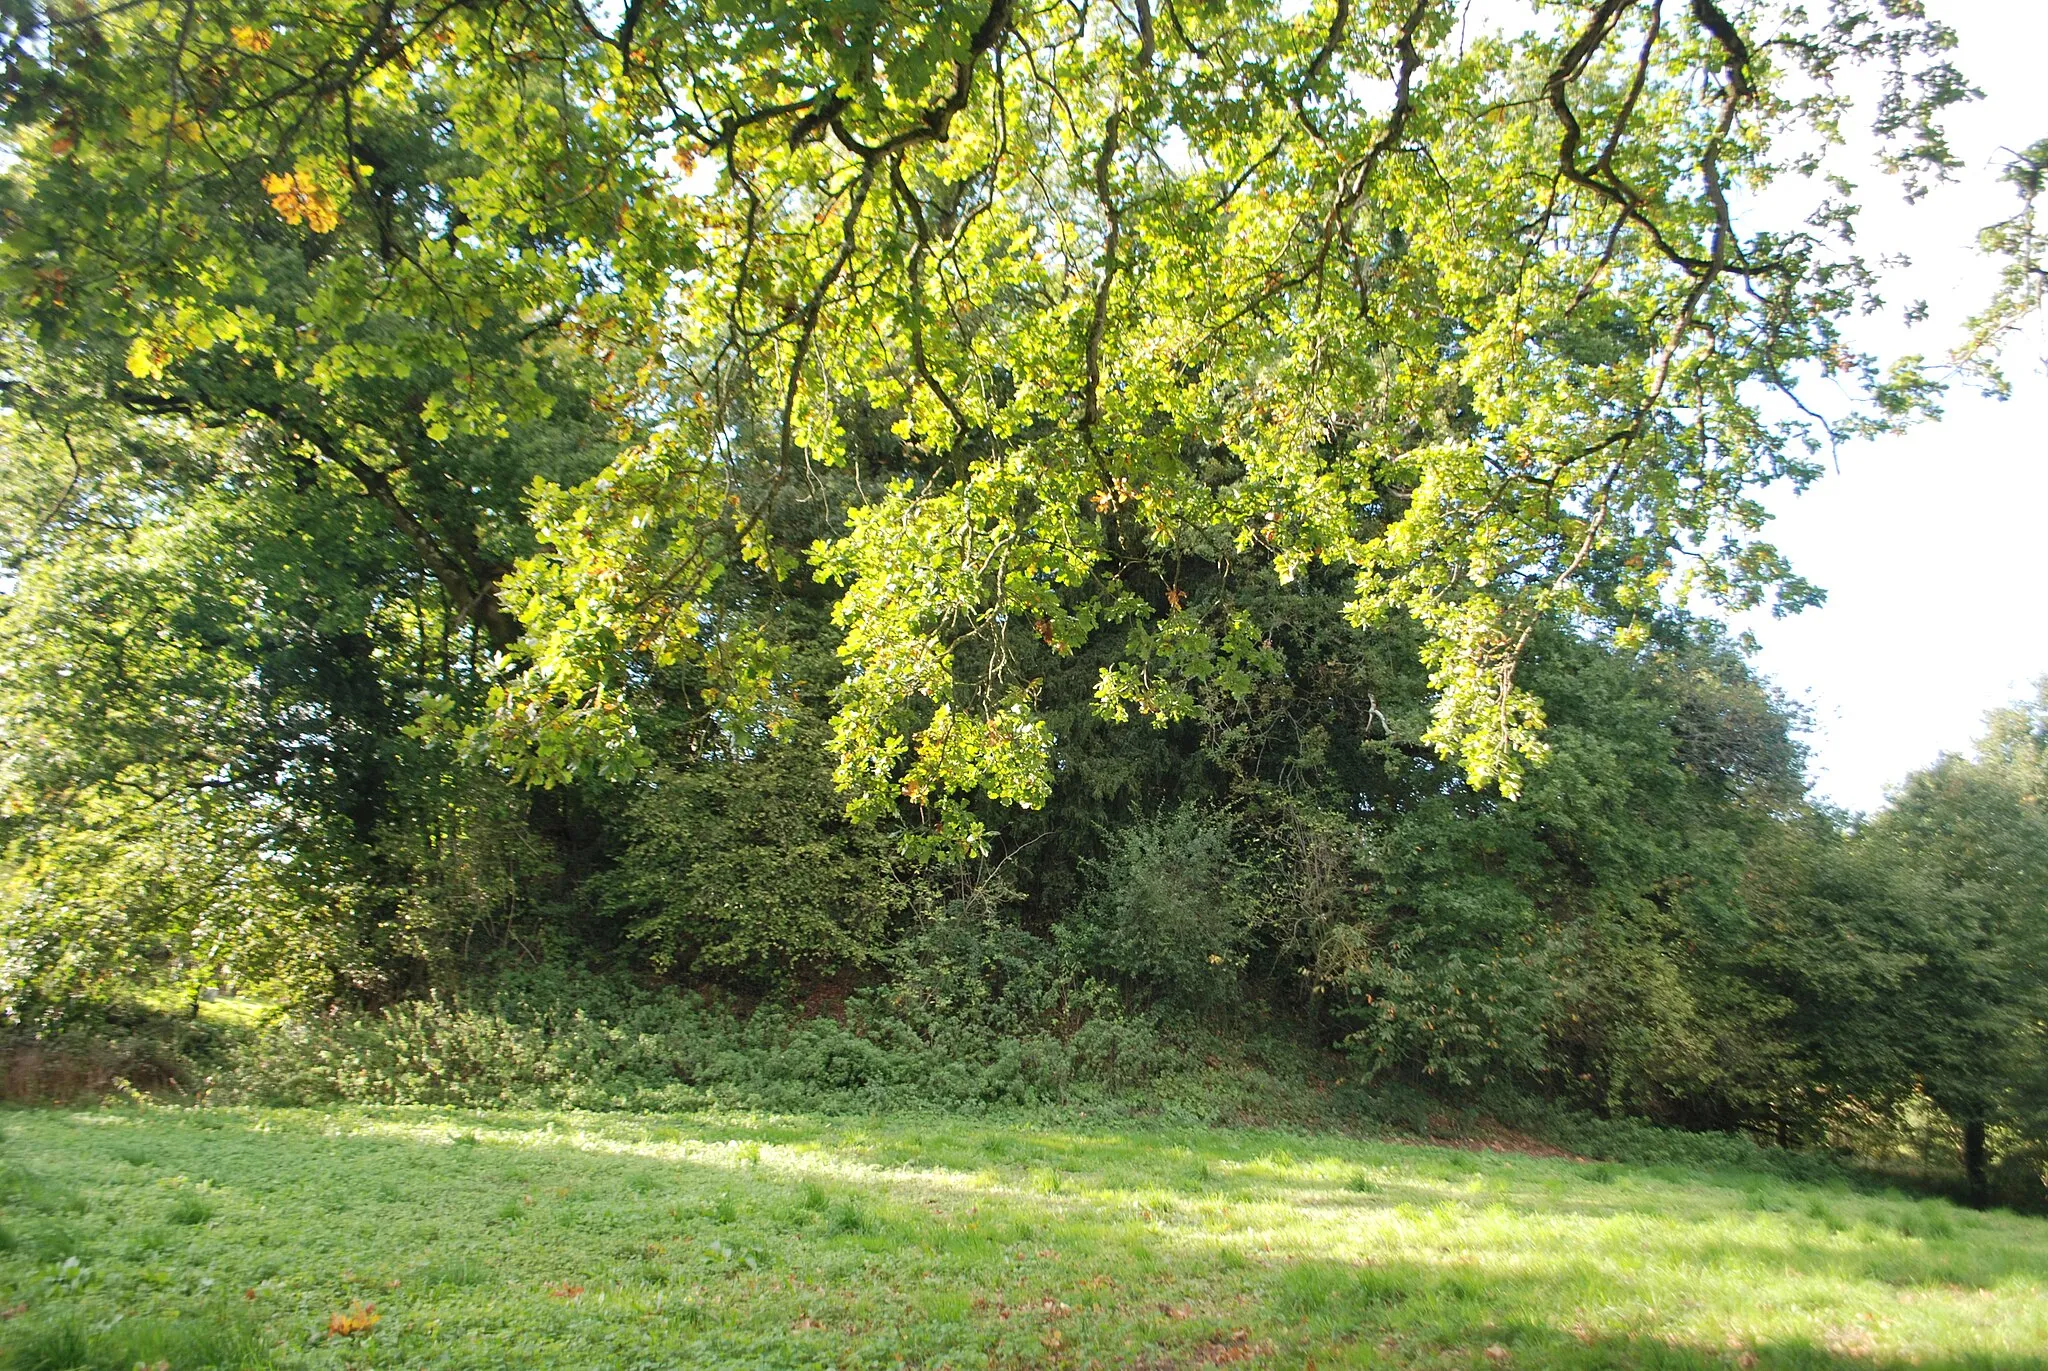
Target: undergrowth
[(578, 1041), (976, 1022)]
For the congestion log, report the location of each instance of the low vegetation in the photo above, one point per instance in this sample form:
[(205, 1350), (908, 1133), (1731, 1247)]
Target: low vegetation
[(360, 1237)]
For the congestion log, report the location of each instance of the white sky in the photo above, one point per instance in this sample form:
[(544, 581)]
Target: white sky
[(1932, 545)]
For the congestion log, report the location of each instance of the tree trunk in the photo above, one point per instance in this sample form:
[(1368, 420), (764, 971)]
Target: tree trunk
[(1976, 1166)]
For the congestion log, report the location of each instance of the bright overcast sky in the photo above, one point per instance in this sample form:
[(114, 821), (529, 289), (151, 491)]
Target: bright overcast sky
[(1931, 546)]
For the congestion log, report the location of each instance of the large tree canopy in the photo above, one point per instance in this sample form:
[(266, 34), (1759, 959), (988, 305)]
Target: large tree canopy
[(1079, 293)]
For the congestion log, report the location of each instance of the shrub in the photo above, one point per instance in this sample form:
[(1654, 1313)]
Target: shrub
[(752, 869), (1162, 916)]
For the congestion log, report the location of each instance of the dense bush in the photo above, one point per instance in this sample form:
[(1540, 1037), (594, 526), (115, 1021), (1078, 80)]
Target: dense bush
[(1162, 916), (752, 870)]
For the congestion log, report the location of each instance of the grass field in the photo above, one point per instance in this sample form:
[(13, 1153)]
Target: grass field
[(416, 1238)]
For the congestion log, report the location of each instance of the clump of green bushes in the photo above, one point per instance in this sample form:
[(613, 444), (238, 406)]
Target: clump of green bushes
[(979, 1016)]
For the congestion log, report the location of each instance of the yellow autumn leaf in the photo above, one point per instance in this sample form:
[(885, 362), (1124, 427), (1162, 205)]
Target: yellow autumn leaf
[(146, 359), (299, 198), (248, 39), (360, 1318)]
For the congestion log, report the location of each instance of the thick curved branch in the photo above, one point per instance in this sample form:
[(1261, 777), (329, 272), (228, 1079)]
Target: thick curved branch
[(1098, 322), (915, 272), (933, 126)]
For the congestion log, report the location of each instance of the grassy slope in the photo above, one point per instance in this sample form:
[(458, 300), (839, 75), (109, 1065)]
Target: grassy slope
[(528, 1240)]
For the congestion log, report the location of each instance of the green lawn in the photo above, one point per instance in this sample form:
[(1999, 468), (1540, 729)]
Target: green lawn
[(187, 1238)]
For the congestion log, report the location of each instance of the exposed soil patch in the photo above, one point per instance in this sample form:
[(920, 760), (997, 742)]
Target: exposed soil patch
[(1489, 1135)]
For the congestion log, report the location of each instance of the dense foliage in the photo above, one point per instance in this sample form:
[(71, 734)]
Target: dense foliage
[(996, 541)]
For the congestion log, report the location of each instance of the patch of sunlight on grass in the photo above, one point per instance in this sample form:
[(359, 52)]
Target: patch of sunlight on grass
[(564, 1240)]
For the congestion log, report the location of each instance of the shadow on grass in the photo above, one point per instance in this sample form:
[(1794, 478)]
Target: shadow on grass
[(1419, 1310)]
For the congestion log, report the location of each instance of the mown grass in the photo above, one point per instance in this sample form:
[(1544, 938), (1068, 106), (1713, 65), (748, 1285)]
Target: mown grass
[(424, 1238)]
